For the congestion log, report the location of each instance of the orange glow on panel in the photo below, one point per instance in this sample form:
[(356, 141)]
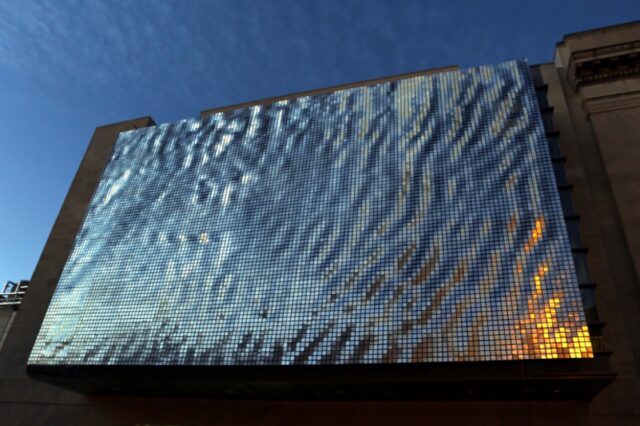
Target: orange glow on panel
[(536, 234), (541, 333)]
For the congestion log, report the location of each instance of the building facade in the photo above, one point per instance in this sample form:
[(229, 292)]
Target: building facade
[(588, 103)]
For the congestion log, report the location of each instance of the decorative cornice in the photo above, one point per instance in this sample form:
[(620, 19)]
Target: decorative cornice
[(604, 63)]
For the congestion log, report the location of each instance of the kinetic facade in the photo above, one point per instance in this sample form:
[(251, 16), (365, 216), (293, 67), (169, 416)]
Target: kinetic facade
[(411, 221), (590, 107)]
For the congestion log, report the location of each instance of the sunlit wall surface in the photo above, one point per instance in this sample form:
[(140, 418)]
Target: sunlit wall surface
[(409, 221)]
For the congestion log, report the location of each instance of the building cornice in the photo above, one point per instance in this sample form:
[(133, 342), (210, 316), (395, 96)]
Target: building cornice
[(595, 65)]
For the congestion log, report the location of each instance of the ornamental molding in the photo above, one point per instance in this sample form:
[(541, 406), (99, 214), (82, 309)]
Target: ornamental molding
[(604, 63)]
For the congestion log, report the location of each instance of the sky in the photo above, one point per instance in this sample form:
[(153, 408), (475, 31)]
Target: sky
[(67, 67)]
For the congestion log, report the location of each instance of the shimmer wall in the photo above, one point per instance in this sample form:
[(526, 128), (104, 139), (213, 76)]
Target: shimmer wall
[(409, 221)]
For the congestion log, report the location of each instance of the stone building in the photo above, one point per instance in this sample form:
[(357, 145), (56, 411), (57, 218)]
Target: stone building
[(590, 101)]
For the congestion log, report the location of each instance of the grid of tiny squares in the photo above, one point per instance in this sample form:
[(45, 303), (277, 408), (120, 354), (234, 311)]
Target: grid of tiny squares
[(409, 221)]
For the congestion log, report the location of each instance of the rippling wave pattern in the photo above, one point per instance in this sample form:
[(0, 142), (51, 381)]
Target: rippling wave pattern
[(408, 221)]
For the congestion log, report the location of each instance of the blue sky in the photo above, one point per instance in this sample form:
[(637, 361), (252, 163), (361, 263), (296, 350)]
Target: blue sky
[(68, 67)]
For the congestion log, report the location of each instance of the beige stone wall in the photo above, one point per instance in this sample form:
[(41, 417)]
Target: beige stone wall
[(599, 124), (600, 231), (618, 136)]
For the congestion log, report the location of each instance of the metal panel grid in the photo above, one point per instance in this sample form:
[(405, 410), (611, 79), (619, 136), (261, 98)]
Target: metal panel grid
[(409, 221)]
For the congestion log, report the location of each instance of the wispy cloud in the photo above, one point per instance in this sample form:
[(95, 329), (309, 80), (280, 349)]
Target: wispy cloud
[(213, 53), (163, 55)]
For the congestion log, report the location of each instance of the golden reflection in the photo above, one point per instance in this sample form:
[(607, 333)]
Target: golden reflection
[(535, 236), (541, 334)]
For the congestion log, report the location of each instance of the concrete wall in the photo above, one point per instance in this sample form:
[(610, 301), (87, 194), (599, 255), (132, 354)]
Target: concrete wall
[(6, 319)]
